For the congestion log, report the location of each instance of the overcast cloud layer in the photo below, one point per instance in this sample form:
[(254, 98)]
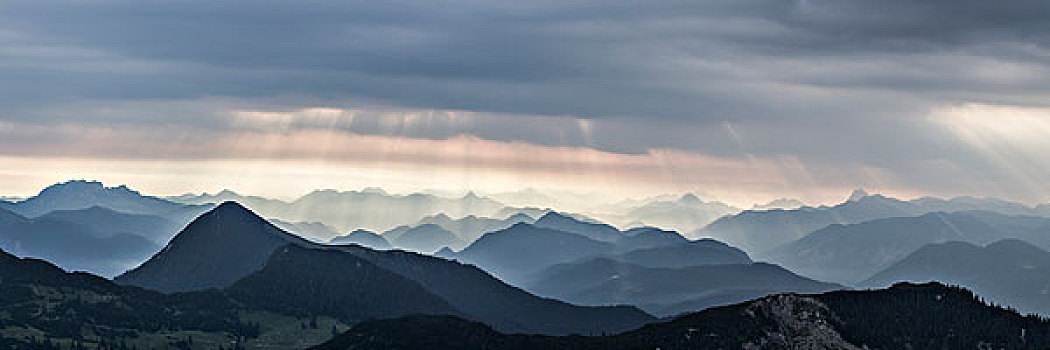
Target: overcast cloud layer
[(940, 97)]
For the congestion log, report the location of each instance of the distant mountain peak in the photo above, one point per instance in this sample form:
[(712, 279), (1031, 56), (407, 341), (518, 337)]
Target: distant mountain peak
[(374, 190), (1015, 247), (779, 203), (362, 231), (226, 192), (85, 187), (440, 216), (690, 198), (555, 216), (519, 217), (857, 195), (231, 207)]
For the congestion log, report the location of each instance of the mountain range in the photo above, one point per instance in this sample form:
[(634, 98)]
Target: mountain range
[(515, 253), (80, 194), (850, 253), (593, 264), (760, 231), (371, 209), (235, 277), (470, 228), (230, 243), (684, 214)]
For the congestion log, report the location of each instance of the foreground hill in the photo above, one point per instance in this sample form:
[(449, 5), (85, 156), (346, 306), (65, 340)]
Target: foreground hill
[(231, 243), (298, 298), (906, 316), (44, 307), (1008, 272), (304, 281)]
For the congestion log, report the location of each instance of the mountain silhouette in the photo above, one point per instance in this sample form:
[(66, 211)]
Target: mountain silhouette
[(649, 237), (313, 231), (667, 291), (363, 238), (471, 227), (108, 221), (692, 253), (213, 251), (849, 253), (523, 249), (1008, 272), (760, 231), (80, 194), (685, 214), (596, 231), (779, 203), (76, 245), (426, 238), (371, 209)]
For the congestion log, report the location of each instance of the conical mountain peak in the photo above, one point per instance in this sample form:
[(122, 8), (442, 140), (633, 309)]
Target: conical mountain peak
[(220, 246), (232, 208)]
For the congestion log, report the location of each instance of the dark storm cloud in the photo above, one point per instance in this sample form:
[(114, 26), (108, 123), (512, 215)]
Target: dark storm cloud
[(822, 79), (705, 60)]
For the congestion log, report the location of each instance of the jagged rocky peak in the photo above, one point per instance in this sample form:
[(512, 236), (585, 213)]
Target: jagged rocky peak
[(84, 187), (857, 195)]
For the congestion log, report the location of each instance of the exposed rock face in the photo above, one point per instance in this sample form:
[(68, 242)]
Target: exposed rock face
[(800, 322)]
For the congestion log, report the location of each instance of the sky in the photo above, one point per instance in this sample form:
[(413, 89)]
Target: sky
[(744, 100)]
